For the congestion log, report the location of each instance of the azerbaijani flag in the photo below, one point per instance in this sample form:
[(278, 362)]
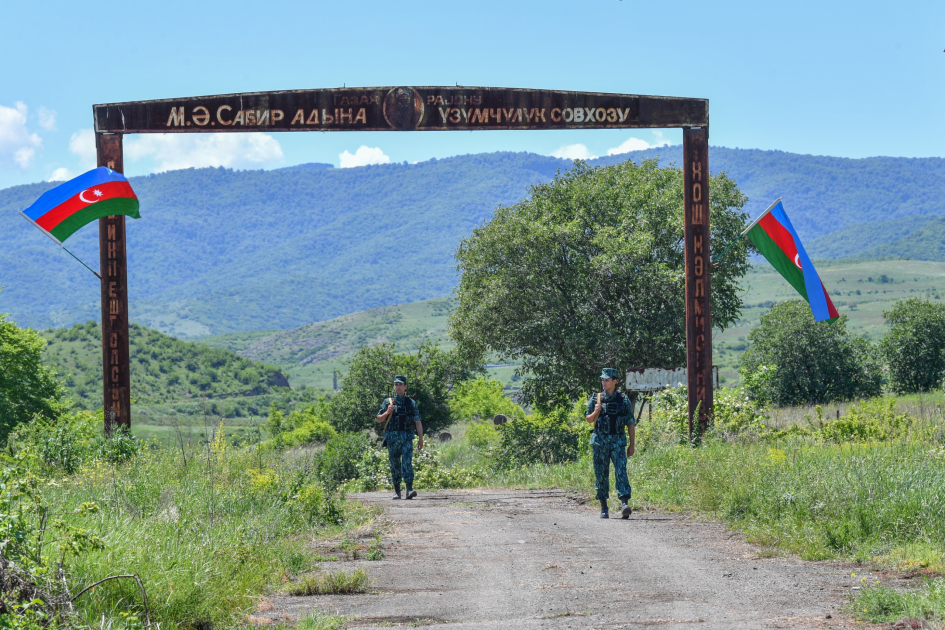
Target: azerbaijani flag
[(60, 212), (776, 239)]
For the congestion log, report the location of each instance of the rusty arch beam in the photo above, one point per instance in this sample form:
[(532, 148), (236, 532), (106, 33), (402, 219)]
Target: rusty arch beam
[(407, 108)]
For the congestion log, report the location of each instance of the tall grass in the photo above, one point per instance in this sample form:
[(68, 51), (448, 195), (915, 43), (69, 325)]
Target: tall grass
[(207, 537)]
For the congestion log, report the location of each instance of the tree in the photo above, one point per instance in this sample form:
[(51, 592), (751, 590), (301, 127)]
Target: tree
[(914, 347), (431, 373), (28, 389), (792, 359), (589, 271)]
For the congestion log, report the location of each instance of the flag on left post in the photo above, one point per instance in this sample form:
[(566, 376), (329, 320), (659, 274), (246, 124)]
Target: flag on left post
[(65, 209)]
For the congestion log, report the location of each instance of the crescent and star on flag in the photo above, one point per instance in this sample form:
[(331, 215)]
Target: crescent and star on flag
[(65, 209)]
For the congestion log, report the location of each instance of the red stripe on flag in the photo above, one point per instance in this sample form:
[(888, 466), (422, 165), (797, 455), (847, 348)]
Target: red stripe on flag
[(830, 307), (781, 237), (109, 190)]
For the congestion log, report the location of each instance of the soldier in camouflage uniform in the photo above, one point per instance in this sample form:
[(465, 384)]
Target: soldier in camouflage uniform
[(611, 412), (403, 422)]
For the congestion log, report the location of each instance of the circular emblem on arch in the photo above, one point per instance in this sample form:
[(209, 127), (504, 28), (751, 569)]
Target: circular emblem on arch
[(403, 108)]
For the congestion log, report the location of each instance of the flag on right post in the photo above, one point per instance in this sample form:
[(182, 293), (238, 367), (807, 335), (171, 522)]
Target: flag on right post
[(776, 239)]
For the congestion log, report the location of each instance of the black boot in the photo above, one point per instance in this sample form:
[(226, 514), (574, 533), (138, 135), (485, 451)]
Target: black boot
[(411, 493), (397, 491), (624, 508), (603, 509)]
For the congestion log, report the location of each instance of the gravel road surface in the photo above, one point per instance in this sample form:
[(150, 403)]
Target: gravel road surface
[(543, 559)]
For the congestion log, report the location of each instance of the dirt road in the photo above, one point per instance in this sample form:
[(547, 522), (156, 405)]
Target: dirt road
[(542, 559)]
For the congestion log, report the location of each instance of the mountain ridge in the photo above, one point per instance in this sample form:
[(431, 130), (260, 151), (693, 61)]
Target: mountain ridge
[(221, 251)]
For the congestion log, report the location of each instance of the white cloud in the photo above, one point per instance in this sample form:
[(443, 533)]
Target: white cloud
[(17, 144), (47, 119), (574, 152), (82, 143), (638, 144), (61, 174), (363, 156), (232, 150)]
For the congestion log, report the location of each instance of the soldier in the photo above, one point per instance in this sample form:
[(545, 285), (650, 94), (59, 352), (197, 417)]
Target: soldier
[(610, 412), (402, 418)]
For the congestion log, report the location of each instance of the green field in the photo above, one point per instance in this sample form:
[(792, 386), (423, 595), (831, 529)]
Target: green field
[(860, 289)]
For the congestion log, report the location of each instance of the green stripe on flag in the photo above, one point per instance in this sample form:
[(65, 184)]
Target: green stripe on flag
[(778, 259), (105, 208)]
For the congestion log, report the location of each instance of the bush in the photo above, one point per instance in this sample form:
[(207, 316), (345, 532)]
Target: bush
[(339, 462), (429, 474), (812, 362), (869, 420), (482, 435), (540, 438), (484, 398), (914, 347), (736, 413)]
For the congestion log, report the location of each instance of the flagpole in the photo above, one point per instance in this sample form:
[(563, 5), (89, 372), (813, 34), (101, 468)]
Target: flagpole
[(59, 243), (746, 230)]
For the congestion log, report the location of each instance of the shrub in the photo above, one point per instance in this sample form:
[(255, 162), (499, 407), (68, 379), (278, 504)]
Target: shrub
[(813, 362), (484, 398), (339, 462), (914, 347), (482, 435), (539, 438), (429, 474), (736, 413), (869, 420)]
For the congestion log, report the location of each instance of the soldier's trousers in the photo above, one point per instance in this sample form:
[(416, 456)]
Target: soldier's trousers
[(400, 456), (607, 449)]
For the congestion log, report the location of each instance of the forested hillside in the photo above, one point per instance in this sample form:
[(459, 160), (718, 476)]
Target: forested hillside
[(163, 369), (221, 251)]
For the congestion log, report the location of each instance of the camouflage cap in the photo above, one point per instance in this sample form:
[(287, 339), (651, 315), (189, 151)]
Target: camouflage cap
[(608, 373), (400, 379)]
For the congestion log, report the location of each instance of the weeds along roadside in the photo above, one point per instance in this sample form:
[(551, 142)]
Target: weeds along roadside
[(208, 536)]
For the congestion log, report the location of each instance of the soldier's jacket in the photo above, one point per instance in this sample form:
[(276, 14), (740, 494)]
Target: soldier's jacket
[(405, 415), (616, 414)]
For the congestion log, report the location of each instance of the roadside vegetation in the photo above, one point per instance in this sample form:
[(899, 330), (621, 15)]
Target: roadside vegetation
[(195, 531)]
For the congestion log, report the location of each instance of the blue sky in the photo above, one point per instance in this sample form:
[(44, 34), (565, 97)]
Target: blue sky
[(850, 79)]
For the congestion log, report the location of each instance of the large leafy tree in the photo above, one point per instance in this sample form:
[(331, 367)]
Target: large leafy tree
[(431, 373), (589, 271), (793, 359), (28, 389), (914, 347)]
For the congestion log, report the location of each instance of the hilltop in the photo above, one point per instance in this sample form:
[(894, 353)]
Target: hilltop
[(163, 369), (220, 251)]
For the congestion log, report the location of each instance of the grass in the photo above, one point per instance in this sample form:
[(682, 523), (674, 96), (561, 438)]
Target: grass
[(883, 604), (330, 583), (321, 621), (207, 537)]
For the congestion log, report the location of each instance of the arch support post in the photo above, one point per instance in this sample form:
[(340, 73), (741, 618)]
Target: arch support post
[(698, 285), (116, 365)]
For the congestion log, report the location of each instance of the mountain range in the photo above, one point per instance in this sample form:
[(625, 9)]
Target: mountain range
[(220, 251)]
